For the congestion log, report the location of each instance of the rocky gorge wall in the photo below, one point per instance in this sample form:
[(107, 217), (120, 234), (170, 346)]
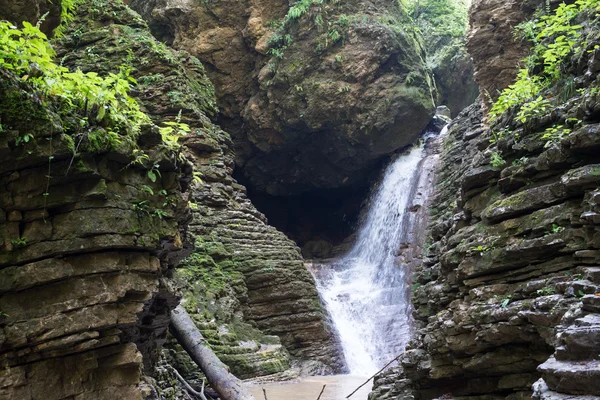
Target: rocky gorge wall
[(82, 292), (243, 282), (506, 300)]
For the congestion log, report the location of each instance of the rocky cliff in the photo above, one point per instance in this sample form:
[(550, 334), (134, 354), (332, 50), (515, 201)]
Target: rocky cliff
[(314, 94), (507, 297), (93, 226), (84, 248)]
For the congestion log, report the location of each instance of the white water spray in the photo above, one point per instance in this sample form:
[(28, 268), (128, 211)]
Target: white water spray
[(367, 291)]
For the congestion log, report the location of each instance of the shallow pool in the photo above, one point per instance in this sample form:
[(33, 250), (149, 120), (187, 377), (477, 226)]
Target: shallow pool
[(338, 387)]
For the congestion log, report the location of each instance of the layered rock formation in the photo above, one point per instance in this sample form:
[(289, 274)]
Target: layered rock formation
[(88, 244), (508, 294), (492, 42), (312, 100), (83, 251), (244, 281)]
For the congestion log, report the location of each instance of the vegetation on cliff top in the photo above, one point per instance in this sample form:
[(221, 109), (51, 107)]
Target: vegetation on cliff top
[(555, 38), (440, 20), (101, 101)]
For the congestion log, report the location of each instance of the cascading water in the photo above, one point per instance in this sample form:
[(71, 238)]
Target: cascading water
[(367, 291)]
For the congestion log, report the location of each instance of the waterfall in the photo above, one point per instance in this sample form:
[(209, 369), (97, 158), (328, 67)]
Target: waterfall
[(367, 291)]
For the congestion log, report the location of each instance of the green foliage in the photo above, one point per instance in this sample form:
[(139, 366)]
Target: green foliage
[(496, 160), (520, 162), (533, 108), (546, 291), (22, 140), (556, 228), (298, 9), (282, 38), (171, 131), (66, 16), (440, 19), (554, 38), (522, 90), (154, 172), (554, 134), (18, 243), (479, 249), (102, 100)]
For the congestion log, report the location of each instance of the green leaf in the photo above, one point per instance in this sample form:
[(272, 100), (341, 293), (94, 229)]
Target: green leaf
[(152, 176)]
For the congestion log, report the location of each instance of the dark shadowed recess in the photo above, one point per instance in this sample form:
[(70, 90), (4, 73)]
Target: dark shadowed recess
[(328, 215)]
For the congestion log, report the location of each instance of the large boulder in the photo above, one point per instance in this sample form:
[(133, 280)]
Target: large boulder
[(314, 102)]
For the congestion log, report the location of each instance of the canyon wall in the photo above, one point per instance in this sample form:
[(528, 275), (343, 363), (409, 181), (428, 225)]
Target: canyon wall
[(95, 253), (506, 301), (84, 249), (244, 281)]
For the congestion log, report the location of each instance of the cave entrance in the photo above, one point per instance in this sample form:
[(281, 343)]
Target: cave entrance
[(321, 222)]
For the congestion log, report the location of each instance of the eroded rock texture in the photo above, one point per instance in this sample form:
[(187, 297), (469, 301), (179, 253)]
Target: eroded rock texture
[(349, 87), (508, 293), (496, 50), (244, 282), (83, 303)]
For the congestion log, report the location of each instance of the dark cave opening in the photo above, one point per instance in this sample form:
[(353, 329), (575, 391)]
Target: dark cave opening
[(321, 222)]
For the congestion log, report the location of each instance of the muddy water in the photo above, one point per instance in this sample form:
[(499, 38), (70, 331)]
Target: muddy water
[(338, 387)]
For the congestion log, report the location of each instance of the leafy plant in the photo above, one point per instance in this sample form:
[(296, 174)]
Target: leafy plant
[(554, 134), (546, 291), (154, 172), (520, 162), (533, 108), (18, 243), (506, 301), (496, 160), (479, 249), (525, 88), (554, 37), (24, 139), (171, 131), (27, 53), (557, 228)]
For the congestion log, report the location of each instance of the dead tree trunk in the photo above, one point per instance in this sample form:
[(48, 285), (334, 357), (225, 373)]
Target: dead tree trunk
[(189, 337)]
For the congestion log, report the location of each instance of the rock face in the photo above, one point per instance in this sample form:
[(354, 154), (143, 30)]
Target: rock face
[(314, 103), (508, 293), (492, 44), (87, 281), (32, 11), (84, 306), (244, 280)]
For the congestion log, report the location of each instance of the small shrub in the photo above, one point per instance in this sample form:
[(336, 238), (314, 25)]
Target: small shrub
[(496, 160)]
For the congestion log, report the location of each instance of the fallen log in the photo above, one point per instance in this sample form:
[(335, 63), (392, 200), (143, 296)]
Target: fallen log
[(189, 337)]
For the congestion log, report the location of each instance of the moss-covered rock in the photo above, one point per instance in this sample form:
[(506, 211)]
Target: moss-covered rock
[(316, 104)]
